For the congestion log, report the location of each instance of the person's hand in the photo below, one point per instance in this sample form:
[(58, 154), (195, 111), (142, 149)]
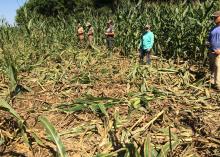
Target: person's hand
[(217, 51)]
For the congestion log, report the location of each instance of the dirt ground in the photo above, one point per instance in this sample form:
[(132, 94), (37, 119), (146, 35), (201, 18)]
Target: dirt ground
[(189, 110)]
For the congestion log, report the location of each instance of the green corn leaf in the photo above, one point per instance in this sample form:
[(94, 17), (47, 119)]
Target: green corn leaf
[(37, 139), (12, 74), (147, 147), (94, 108), (166, 148), (52, 133), (2, 141), (148, 150), (185, 11), (69, 108), (5, 106), (103, 109)]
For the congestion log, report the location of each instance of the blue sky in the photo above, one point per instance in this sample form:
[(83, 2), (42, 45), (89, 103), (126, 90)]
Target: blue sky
[(8, 9)]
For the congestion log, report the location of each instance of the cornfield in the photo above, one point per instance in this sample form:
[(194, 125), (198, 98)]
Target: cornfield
[(59, 99)]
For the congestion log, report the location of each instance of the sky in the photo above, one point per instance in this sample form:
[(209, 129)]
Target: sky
[(8, 9)]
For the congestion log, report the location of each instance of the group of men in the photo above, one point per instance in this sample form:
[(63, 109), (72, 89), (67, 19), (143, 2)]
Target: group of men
[(90, 34), (147, 41), (145, 46)]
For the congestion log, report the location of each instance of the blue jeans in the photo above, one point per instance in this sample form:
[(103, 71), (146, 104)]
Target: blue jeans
[(145, 53)]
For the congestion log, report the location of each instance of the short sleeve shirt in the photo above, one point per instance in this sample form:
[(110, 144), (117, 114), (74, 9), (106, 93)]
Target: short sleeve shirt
[(214, 38), (110, 29)]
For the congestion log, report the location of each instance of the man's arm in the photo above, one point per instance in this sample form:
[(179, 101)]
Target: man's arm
[(152, 40), (110, 33), (217, 52)]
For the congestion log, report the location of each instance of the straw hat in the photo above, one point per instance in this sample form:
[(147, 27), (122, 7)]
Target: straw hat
[(109, 22)]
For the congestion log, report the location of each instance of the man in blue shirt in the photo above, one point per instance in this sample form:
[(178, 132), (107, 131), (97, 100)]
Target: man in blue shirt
[(214, 54), (146, 44)]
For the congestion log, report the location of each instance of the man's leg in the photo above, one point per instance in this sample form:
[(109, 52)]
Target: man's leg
[(107, 43), (217, 72), (212, 66), (111, 43), (141, 55), (148, 57), (110, 46)]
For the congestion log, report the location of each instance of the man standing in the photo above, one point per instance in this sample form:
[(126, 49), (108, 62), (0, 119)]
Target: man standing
[(90, 34), (110, 35), (146, 44), (80, 34), (214, 53)]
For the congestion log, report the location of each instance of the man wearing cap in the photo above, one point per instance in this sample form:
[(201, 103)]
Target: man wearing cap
[(110, 35), (214, 49), (90, 33), (146, 44), (80, 33)]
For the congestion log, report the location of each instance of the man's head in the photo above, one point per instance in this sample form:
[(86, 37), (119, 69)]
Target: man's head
[(216, 16), (147, 27)]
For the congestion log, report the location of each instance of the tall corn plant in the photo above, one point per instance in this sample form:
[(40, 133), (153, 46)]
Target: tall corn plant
[(10, 68), (180, 29)]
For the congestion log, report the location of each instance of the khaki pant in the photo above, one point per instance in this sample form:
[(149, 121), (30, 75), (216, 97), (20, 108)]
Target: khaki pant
[(214, 61)]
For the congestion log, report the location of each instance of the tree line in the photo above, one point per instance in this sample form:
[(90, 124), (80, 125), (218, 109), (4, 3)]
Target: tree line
[(65, 8)]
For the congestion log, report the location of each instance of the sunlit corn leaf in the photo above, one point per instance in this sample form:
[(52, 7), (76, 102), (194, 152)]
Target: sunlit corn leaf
[(103, 110), (165, 150), (149, 151), (135, 102), (2, 141), (37, 139), (53, 135), (6, 107), (71, 108)]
